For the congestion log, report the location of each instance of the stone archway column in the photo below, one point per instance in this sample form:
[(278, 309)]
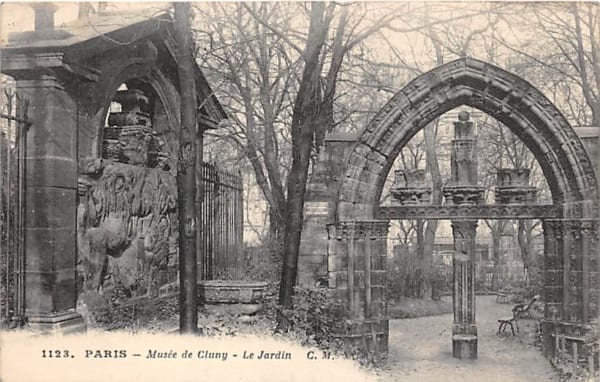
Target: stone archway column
[(571, 289), (464, 328), (553, 273), (590, 233), (50, 207), (357, 255)]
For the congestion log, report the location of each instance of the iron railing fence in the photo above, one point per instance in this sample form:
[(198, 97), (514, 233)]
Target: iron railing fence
[(13, 125), (220, 237)]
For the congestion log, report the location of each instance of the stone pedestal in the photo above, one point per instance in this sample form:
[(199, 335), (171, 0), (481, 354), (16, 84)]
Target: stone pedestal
[(464, 346), (50, 207)]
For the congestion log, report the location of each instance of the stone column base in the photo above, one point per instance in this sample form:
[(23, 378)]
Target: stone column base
[(464, 346), (370, 335), (58, 323)]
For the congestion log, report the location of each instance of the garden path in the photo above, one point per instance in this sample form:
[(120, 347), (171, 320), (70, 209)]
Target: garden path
[(420, 349)]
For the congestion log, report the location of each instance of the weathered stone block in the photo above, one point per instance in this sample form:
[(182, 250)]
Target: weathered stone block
[(50, 207), (50, 249), (359, 278), (50, 291), (338, 279), (231, 291), (378, 293), (51, 172), (313, 259), (65, 290), (337, 263), (378, 277), (359, 263), (55, 134), (233, 309), (310, 269), (68, 322)]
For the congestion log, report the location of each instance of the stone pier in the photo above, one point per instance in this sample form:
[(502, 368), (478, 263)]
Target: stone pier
[(357, 269), (463, 190), (464, 329)]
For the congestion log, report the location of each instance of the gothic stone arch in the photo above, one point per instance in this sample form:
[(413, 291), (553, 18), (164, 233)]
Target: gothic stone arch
[(504, 96), (356, 237)]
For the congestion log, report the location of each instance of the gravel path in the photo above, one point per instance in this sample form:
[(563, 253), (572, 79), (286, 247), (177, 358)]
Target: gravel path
[(420, 349)]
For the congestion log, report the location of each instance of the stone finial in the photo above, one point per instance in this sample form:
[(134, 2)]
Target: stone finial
[(463, 128), (464, 116)]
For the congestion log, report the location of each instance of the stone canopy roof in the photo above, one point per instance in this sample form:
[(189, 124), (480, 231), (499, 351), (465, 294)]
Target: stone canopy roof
[(73, 47)]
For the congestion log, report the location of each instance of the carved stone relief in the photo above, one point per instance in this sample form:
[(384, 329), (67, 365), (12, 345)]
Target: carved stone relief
[(126, 218)]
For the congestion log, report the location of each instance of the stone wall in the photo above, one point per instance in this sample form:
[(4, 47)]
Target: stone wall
[(319, 208)]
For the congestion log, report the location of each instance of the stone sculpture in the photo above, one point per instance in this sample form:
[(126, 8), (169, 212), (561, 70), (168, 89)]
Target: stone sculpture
[(127, 221)]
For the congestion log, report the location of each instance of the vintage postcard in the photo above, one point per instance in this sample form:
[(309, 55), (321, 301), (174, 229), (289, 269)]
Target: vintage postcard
[(299, 191)]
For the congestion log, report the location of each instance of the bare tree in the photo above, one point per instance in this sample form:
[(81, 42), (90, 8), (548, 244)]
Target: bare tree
[(567, 46), (283, 82), (186, 171)]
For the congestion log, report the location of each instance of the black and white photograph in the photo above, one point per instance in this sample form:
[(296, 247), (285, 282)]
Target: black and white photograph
[(300, 191)]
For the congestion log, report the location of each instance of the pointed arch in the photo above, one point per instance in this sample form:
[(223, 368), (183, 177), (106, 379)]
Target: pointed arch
[(504, 96)]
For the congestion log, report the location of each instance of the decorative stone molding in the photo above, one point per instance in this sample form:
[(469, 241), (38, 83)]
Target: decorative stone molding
[(442, 212), (369, 229), (463, 195), (409, 188)]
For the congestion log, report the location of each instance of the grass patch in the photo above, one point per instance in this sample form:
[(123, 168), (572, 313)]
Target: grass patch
[(410, 307)]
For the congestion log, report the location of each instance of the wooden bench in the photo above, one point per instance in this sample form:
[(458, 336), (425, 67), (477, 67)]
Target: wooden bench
[(502, 298), (504, 322), (518, 311)]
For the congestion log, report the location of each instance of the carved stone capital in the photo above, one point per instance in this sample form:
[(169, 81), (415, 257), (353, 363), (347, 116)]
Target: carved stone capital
[(554, 226), (464, 228), (590, 228)]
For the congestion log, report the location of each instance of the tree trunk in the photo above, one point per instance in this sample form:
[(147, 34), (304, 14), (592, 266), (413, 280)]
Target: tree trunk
[(304, 120), (421, 282), (525, 245), (186, 172)]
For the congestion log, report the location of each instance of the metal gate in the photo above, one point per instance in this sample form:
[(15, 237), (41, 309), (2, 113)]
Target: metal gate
[(221, 222), (13, 124)]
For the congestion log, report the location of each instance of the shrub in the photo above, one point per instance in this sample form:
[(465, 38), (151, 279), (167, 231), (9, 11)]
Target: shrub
[(115, 309), (261, 263), (315, 318)]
